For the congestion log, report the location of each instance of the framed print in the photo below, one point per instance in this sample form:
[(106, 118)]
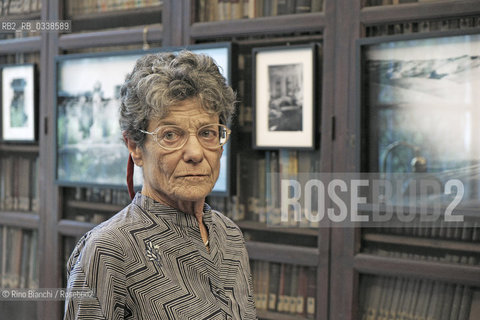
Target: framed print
[(420, 106), (284, 97), (90, 149), (18, 103)]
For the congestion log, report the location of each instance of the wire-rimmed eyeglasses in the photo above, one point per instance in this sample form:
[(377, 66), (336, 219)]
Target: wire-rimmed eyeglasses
[(172, 137)]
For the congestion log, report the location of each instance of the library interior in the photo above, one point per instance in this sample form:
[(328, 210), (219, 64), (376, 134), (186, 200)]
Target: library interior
[(350, 194)]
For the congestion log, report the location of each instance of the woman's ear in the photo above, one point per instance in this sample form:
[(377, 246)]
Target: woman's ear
[(134, 149)]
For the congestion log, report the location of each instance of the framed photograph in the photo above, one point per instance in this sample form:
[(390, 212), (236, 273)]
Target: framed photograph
[(90, 149), (18, 101), (284, 97), (420, 106)]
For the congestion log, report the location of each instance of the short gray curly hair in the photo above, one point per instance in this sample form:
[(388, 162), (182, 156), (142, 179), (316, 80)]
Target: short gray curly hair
[(164, 79)]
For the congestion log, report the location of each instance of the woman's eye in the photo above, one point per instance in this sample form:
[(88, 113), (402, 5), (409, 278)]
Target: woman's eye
[(208, 133), (170, 135)]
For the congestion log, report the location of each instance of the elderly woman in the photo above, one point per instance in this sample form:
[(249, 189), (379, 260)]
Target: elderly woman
[(168, 255)]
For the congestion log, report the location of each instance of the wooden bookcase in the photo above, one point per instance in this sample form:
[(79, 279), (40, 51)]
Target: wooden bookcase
[(342, 257)]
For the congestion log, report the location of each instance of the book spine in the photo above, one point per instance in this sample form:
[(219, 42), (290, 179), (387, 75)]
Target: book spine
[(25, 262), (24, 183), (6, 245), (311, 293), (16, 183), (201, 10), (33, 268), (317, 5), (256, 285), (34, 186), (273, 286), (303, 6), (294, 289), (282, 7), (259, 8), (302, 291), (266, 283), (246, 9), (236, 9)]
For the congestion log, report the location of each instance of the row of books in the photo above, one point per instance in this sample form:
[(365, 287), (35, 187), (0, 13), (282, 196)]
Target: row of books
[(468, 231), (217, 10), (422, 26), (18, 183), (16, 7), (101, 195), (412, 299), (18, 258), (81, 7), (389, 2), (80, 203), (284, 288), (433, 256), (258, 184)]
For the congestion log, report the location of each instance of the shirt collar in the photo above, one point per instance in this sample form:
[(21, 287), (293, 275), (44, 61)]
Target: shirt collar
[(171, 214)]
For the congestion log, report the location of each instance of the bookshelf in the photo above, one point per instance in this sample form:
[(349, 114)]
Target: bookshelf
[(350, 269)]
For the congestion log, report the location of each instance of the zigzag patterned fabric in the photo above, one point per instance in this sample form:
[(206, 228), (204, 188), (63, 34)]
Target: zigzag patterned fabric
[(149, 262)]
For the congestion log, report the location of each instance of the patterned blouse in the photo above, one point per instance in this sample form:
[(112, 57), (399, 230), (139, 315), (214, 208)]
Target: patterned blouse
[(149, 262)]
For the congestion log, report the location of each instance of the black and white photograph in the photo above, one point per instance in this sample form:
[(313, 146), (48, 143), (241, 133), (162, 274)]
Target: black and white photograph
[(18, 102), (284, 98)]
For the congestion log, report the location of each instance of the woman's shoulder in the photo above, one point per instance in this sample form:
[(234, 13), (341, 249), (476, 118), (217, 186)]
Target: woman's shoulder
[(112, 232), (224, 220)]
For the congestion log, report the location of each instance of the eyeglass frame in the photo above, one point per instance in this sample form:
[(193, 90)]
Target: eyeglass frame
[(154, 134)]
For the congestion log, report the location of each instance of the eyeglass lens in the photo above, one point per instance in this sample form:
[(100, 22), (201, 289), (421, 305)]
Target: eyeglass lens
[(210, 136)]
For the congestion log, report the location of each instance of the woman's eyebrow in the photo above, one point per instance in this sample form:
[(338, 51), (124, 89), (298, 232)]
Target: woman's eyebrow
[(167, 123), (173, 123)]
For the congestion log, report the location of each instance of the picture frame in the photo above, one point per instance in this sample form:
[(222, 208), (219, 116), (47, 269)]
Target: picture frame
[(90, 150), (418, 103), (284, 97), (18, 103)]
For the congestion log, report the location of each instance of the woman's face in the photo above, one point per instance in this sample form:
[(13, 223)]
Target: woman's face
[(187, 174)]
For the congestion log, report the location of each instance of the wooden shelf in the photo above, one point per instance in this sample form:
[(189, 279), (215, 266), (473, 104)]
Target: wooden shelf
[(469, 210), (25, 148), (74, 228), (283, 253), (253, 225), (116, 19), (18, 45), (448, 272), (418, 11), (423, 242), (269, 315), (35, 15), (115, 37), (97, 206), (25, 220), (230, 28)]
